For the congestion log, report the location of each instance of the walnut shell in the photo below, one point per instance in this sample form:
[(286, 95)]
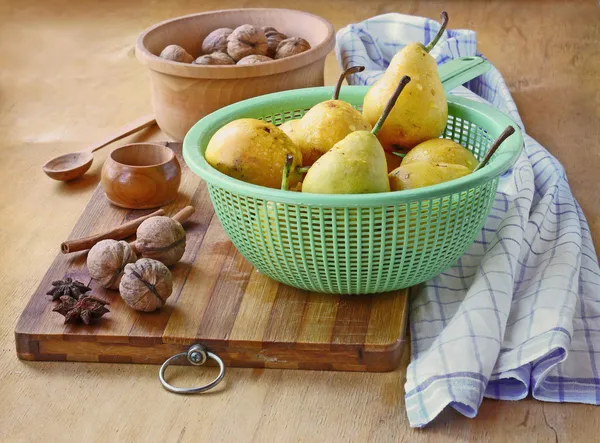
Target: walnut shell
[(146, 285), (106, 262), (216, 58), (177, 54), (291, 46), (266, 29), (254, 59), (274, 37), (246, 40), (161, 238), (216, 41)]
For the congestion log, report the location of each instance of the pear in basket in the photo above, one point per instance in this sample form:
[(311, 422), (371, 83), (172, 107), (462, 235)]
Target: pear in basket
[(356, 164), (421, 113), (423, 173), (325, 124), (432, 162), (441, 150), (253, 151)]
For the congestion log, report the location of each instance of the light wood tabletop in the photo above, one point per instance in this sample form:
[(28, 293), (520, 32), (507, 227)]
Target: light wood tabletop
[(69, 77)]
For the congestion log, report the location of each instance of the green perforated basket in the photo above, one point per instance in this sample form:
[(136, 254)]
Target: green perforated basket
[(354, 244)]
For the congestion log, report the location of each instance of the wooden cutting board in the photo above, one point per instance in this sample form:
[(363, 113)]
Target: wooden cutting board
[(218, 299)]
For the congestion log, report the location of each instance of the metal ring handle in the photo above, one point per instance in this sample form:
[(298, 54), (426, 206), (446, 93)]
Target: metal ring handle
[(196, 355)]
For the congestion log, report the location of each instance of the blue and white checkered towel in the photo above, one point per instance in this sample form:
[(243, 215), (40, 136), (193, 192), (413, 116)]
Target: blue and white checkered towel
[(519, 313)]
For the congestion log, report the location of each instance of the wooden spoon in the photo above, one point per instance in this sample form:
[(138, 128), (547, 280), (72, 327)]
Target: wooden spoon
[(73, 165)]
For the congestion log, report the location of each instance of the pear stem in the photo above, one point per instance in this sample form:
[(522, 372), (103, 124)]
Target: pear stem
[(303, 169), (432, 43), (399, 154), (287, 167), (505, 134), (390, 104), (346, 73)]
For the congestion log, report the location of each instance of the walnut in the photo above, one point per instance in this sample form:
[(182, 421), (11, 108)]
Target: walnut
[(274, 37), (254, 59), (216, 41), (216, 58), (106, 261), (161, 238), (246, 40), (176, 54), (146, 285), (291, 46)]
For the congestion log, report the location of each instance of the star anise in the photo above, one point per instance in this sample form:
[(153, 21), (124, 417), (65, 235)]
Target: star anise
[(69, 287), (86, 309)]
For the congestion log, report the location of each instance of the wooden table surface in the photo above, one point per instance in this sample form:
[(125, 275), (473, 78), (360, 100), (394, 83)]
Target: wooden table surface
[(69, 76)]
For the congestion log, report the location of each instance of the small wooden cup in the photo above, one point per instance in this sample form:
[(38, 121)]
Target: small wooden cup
[(141, 176)]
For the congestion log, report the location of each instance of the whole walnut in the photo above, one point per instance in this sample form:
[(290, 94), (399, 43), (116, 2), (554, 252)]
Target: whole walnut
[(146, 285), (291, 46), (254, 59), (216, 41), (216, 58), (266, 29), (246, 40), (106, 262), (177, 54), (161, 238), (274, 37)]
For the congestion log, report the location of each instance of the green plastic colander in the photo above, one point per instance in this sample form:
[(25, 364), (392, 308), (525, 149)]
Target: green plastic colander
[(357, 244)]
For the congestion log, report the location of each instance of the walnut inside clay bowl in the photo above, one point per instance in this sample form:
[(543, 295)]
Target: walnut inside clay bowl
[(183, 93)]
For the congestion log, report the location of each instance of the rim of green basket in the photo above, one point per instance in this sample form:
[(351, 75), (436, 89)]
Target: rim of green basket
[(198, 136)]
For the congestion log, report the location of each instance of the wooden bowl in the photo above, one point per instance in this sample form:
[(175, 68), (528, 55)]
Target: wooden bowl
[(141, 176), (183, 93)]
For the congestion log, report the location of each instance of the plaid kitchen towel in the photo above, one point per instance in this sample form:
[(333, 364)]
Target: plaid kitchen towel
[(519, 313)]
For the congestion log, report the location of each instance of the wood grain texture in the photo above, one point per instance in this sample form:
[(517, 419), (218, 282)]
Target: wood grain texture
[(211, 283), (549, 56), (183, 93), (141, 176)]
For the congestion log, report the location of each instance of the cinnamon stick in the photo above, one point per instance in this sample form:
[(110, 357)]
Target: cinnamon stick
[(183, 215), (120, 232)]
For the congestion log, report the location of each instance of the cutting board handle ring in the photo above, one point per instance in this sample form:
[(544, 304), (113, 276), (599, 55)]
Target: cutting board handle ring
[(197, 355)]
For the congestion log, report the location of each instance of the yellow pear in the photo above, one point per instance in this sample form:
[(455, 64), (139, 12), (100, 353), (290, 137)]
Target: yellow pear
[(441, 150), (393, 161), (253, 151), (420, 174), (291, 129), (326, 124), (356, 164), (422, 111)]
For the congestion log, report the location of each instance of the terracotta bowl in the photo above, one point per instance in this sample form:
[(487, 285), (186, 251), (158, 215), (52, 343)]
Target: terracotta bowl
[(183, 93), (141, 176)]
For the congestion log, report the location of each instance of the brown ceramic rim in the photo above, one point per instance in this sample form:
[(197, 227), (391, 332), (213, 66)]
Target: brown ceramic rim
[(163, 148), (189, 70)]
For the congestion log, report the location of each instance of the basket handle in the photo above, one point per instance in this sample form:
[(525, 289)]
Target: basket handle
[(460, 70)]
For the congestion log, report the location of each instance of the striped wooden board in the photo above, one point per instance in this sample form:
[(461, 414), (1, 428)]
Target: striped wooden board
[(218, 299)]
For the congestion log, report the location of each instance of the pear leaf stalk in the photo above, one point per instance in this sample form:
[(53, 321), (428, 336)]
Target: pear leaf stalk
[(495, 145), (390, 104), (346, 73), (432, 43), (287, 167)]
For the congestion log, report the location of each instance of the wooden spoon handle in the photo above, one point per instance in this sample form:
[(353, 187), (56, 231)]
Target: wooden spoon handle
[(131, 128)]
